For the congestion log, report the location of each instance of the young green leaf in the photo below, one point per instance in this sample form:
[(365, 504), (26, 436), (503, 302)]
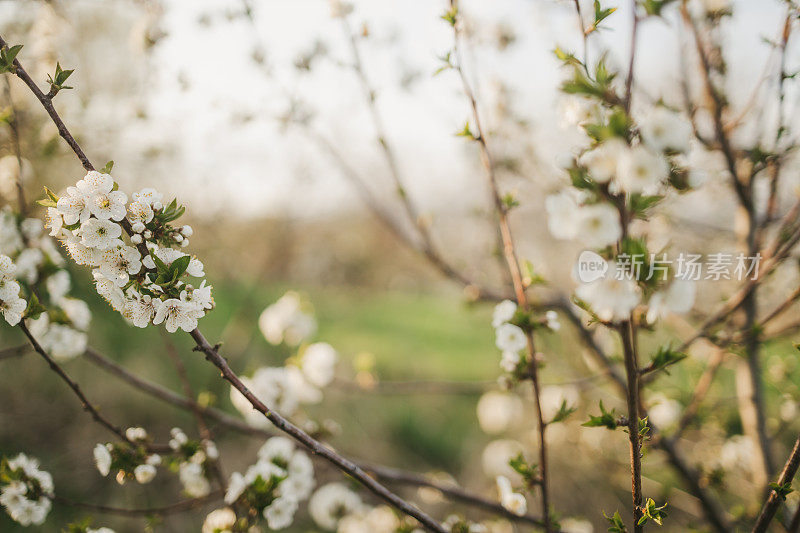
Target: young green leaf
[(563, 412), (606, 419)]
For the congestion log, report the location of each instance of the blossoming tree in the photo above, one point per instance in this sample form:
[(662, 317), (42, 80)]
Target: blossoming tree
[(634, 160)]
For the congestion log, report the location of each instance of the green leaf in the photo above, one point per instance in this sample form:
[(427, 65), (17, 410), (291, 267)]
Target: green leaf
[(466, 132), (451, 15), (606, 419), (664, 357), (616, 525), (639, 204), (528, 471), (563, 412), (653, 512), (782, 490), (107, 169), (34, 309), (179, 266), (161, 267)]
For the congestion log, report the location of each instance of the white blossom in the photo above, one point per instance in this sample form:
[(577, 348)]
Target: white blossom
[(509, 361), (134, 434), (562, 214), (677, 298), (54, 221), (641, 170), (280, 513), (318, 363), (107, 205), (503, 312), (139, 309), (58, 285), (17, 497), (148, 196), (598, 225), (141, 213), (332, 502), (72, 207), (100, 234), (663, 129), (286, 321), (78, 252), (194, 480), (144, 473), (118, 264), (510, 500), (77, 312), (510, 338), (102, 459), (602, 161), (271, 385), (28, 262), (611, 299), (219, 521), (63, 343), (109, 291), (176, 314)]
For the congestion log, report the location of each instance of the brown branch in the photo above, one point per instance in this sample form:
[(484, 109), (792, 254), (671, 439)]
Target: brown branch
[(452, 491), (626, 331), (314, 446), (202, 427), (87, 405), (13, 123), (510, 255), (774, 499), (213, 356), (174, 508)]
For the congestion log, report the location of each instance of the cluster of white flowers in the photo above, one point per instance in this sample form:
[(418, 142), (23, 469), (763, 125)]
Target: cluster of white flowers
[(129, 460), (11, 304), (273, 487), (26, 490), (284, 388), (194, 459), (510, 338), (288, 320), (332, 503), (61, 330), (145, 280), (613, 299)]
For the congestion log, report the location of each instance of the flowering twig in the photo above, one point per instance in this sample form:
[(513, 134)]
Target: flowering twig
[(87, 405), (213, 356), (344, 464), (202, 427), (13, 123), (779, 490), (509, 253), (382, 472)]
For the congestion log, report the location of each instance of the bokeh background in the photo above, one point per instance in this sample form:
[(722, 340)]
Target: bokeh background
[(252, 115)]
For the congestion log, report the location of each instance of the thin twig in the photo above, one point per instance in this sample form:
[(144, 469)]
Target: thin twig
[(174, 508), (510, 255), (213, 356), (774, 500), (87, 405)]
